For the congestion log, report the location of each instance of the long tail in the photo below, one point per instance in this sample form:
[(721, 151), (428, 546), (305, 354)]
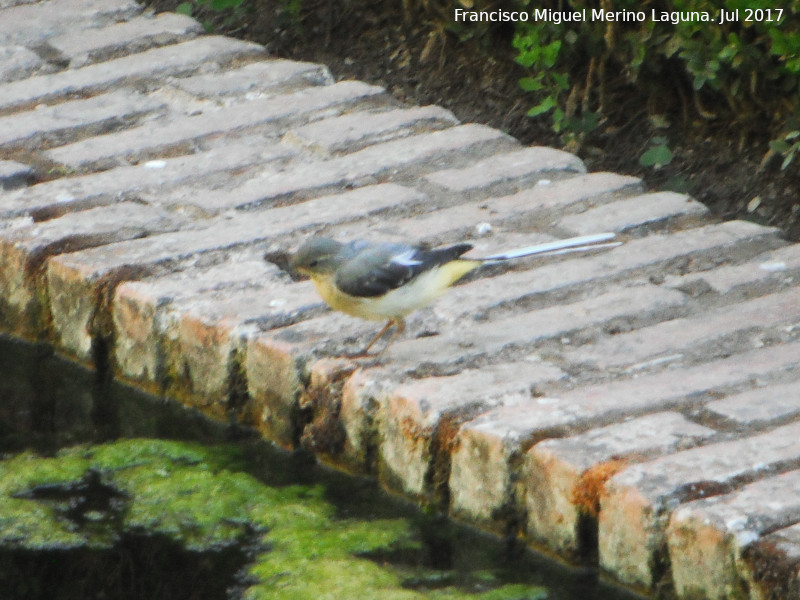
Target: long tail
[(575, 244)]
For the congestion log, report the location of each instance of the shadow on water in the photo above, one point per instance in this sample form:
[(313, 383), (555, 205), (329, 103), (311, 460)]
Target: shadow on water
[(52, 408)]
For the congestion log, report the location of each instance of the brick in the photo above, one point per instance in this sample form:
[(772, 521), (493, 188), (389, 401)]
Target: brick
[(138, 34), (18, 62), (256, 80), (274, 383), (533, 418), (455, 346), (637, 501), (553, 471), (32, 23), (162, 135), (501, 167), (14, 175), (768, 271), (528, 329), (330, 334), (706, 538), (85, 273), (201, 344), (672, 340), (353, 131), (96, 189), (51, 124), (142, 311), (456, 224), (416, 412), (23, 251), (663, 252), (356, 169), (208, 330), (504, 213), (630, 213), (758, 407), (183, 58), (360, 397), (774, 561)]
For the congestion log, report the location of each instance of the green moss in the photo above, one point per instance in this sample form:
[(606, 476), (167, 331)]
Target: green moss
[(132, 452), (201, 497), (29, 524)]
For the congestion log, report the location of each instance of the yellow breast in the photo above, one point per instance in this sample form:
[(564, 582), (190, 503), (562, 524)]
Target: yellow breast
[(396, 303)]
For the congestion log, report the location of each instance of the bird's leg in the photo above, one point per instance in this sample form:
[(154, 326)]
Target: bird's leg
[(379, 336), (401, 327)]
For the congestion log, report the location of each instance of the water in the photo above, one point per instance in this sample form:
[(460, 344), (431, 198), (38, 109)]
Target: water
[(106, 492)]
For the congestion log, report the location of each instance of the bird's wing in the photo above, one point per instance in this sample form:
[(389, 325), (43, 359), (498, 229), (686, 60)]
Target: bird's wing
[(379, 269)]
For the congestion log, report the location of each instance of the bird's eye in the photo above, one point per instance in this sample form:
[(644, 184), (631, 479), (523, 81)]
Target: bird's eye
[(313, 263)]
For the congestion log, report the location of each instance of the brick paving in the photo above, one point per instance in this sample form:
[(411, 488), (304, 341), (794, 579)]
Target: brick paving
[(634, 408)]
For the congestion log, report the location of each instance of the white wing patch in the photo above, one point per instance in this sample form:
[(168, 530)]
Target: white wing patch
[(406, 259)]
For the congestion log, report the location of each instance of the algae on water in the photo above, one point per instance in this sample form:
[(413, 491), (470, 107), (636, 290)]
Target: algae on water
[(92, 496)]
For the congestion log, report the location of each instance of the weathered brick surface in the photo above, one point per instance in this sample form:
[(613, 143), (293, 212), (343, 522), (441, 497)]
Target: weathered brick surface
[(644, 210), (183, 58), (706, 537), (203, 334), (355, 130), (33, 23), (511, 165), (772, 270), (260, 79), (419, 418), (655, 382), (87, 273), (773, 563), (672, 340), (526, 330), (274, 385), (162, 135), (532, 418), (86, 191), (145, 313), (13, 175), (48, 124), (501, 214), (17, 62), (561, 478), (23, 251), (658, 252), (759, 406), (366, 166), (127, 37), (636, 505)]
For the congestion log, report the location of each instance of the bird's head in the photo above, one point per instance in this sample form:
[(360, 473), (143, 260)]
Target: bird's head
[(317, 256)]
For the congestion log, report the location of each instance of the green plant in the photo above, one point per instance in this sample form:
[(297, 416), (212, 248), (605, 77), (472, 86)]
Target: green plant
[(743, 69), (658, 155), (787, 146)]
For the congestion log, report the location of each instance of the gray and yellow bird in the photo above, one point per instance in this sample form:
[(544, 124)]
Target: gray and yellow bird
[(387, 281)]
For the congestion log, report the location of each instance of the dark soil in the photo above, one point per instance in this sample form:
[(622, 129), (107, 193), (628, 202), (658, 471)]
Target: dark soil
[(419, 62)]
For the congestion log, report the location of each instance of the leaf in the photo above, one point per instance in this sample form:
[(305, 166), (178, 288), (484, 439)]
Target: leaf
[(184, 8), (657, 156), (541, 108), (550, 53), (531, 84), (561, 79), (779, 146)]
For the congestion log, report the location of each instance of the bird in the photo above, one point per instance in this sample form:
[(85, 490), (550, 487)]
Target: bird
[(386, 281)]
